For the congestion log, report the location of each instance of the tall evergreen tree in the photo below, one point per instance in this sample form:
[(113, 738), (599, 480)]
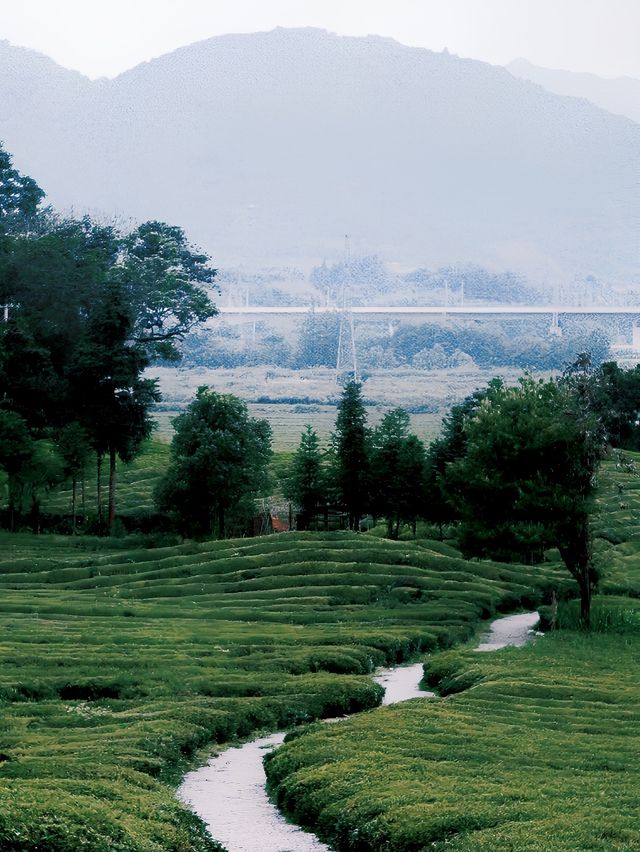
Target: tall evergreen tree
[(305, 485), (350, 449), (397, 471)]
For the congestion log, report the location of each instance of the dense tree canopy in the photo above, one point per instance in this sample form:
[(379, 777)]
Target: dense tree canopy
[(219, 458), (524, 481), (615, 395), (86, 309)]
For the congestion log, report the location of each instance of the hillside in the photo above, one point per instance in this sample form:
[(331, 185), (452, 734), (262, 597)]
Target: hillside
[(620, 96), (119, 663), (270, 147), (530, 748)]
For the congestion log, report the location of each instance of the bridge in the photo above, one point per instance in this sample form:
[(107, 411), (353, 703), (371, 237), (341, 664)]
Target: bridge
[(434, 310), (390, 312)]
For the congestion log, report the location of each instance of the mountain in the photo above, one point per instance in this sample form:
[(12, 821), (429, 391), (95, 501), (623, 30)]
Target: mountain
[(268, 148), (620, 96)]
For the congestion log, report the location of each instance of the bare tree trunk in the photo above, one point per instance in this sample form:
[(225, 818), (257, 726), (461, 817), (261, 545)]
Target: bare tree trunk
[(99, 494), (74, 483), (585, 598), (112, 487), (35, 514)]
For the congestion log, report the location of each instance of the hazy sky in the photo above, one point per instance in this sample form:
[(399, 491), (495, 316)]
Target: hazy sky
[(105, 37)]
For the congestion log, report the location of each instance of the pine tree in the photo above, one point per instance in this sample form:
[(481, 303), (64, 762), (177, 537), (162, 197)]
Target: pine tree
[(305, 484), (350, 448)]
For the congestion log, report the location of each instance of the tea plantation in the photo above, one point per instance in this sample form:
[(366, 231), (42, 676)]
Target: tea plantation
[(529, 749), (119, 665)]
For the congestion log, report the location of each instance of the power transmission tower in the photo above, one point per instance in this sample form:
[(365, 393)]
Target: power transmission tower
[(346, 357)]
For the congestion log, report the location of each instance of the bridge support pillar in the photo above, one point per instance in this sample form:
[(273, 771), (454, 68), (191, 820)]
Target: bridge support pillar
[(555, 329)]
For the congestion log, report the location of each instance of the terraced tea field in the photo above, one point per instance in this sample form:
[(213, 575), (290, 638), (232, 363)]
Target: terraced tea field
[(542, 753), (118, 665), (534, 748)]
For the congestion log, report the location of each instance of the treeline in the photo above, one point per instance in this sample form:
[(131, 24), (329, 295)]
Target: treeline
[(85, 308), (388, 473), (511, 475), (522, 344), (369, 279)]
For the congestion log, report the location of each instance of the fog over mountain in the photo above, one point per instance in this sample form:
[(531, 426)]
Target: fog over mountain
[(620, 96), (270, 147)]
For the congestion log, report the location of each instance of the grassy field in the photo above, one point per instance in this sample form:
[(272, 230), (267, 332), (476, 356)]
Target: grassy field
[(117, 666), (136, 482), (533, 748)]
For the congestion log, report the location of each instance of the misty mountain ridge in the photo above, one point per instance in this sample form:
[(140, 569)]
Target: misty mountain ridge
[(268, 148), (620, 95)]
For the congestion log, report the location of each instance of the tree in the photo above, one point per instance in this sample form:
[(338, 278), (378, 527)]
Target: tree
[(305, 483), (437, 506), (20, 197), (615, 394), (74, 447), (16, 448), (525, 480), (318, 343), (350, 453), (88, 309), (397, 471), (107, 391), (219, 458), (163, 277)]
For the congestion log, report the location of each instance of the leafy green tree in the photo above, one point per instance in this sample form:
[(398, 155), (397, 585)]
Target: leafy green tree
[(615, 396), (525, 481), (16, 448), (89, 307), (219, 458), (397, 467), (163, 277), (20, 198), (305, 484), (437, 506), (350, 454)]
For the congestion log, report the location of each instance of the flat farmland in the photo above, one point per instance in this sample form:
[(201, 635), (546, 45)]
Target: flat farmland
[(289, 399)]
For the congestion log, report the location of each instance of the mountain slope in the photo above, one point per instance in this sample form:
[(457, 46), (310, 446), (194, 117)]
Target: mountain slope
[(269, 147), (620, 96)]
